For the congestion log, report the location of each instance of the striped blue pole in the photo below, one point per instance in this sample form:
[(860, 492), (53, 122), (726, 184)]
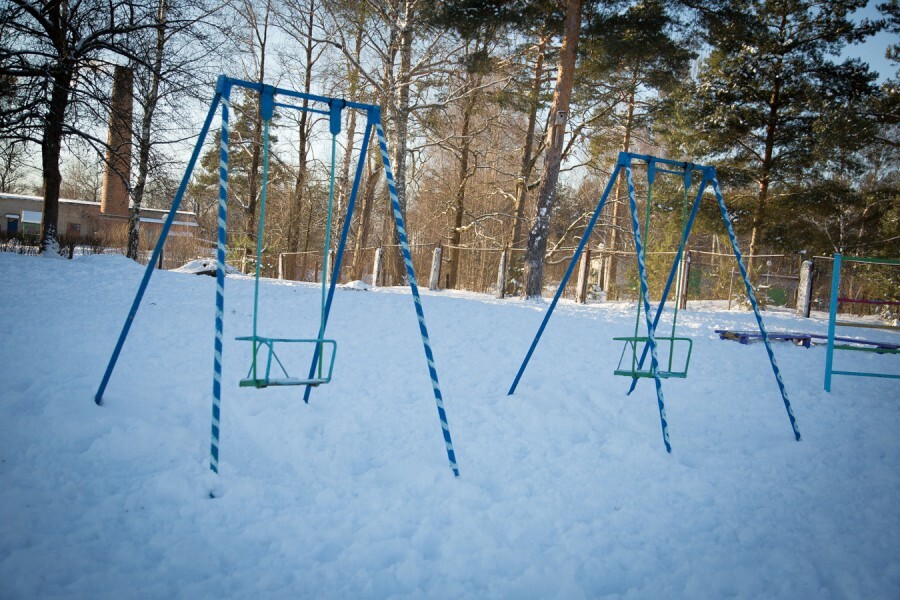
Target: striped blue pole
[(163, 234), (832, 318), (220, 288), (752, 296), (651, 326), (411, 275)]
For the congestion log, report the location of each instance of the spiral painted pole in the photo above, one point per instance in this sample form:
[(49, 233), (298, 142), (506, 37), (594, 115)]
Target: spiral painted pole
[(411, 275), (651, 327), (220, 289), (752, 296)]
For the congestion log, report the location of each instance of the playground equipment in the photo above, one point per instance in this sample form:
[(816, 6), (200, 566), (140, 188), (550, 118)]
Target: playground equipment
[(650, 341), (332, 108), (850, 343)]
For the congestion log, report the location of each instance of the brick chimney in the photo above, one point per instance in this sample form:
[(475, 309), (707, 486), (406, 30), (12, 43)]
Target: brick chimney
[(117, 173)]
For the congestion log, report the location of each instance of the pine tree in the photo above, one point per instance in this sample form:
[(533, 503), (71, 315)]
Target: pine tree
[(767, 87)]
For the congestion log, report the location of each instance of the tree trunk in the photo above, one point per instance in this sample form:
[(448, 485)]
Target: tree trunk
[(537, 238), (463, 162), (296, 206), (343, 195), (610, 284), (527, 164), (253, 183), (365, 216), (51, 147), (401, 110), (144, 139)]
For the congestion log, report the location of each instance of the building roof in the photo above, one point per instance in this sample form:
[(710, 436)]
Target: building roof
[(86, 202)]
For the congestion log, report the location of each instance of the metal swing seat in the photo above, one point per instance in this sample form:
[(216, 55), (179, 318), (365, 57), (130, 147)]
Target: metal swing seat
[(635, 370), (259, 380), (256, 376)]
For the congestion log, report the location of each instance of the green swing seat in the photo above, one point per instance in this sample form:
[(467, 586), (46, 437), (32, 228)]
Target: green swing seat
[(633, 372), (261, 380)]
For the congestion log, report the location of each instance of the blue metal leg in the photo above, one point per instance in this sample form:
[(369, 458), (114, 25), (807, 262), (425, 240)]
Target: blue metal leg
[(339, 255), (565, 279), (176, 203), (832, 318)]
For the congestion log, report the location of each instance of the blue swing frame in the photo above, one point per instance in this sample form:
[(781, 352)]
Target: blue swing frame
[(224, 87), (661, 165)]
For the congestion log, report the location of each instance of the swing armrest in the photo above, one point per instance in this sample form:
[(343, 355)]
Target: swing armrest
[(265, 340), (658, 338)]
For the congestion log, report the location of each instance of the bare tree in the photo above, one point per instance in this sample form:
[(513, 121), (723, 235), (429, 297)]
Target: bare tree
[(48, 50), (537, 238)]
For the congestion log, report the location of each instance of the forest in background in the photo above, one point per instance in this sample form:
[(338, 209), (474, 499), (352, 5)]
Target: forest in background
[(503, 118)]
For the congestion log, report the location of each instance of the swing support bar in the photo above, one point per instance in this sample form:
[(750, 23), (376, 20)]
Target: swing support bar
[(221, 98), (624, 164)]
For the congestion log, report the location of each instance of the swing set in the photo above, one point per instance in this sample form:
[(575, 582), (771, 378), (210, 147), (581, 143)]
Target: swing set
[(260, 373), (650, 343)]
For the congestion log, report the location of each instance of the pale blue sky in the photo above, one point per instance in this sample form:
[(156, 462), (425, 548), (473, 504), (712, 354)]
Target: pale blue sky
[(872, 51)]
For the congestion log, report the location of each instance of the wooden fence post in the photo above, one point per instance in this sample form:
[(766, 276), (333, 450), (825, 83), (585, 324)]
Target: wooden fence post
[(804, 289), (435, 280), (501, 273), (376, 268), (686, 279), (584, 271)]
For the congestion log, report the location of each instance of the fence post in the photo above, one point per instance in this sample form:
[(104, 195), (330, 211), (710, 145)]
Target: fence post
[(330, 268), (501, 273), (281, 265), (376, 268), (584, 270), (730, 287), (435, 280), (685, 281), (804, 289)]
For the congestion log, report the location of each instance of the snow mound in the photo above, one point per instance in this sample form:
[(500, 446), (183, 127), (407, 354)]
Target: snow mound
[(204, 266), (359, 285)]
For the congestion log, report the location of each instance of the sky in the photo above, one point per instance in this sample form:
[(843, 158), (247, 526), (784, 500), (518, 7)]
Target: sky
[(873, 50)]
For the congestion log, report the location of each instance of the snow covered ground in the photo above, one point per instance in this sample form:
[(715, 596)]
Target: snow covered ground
[(566, 490)]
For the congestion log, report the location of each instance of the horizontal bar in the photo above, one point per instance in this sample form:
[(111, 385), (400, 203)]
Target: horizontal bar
[(875, 261), (670, 172), (855, 301), (294, 94), (860, 374), (867, 325), (875, 349), (307, 109), (665, 161)]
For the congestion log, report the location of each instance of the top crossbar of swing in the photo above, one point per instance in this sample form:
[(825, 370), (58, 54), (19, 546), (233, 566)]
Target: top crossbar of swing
[(625, 159), (260, 87)]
